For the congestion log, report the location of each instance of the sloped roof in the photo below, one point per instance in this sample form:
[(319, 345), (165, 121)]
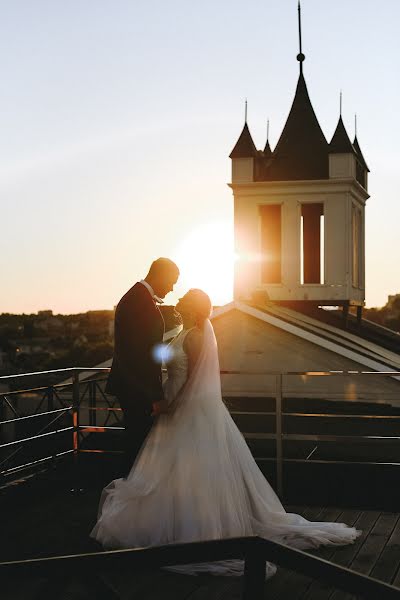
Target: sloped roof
[(346, 344), (302, 150), (244, 147)]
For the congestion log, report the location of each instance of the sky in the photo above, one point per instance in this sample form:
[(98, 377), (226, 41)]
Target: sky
[(117, 120)]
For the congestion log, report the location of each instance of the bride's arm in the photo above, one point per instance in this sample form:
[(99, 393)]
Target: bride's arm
[(192, 345)]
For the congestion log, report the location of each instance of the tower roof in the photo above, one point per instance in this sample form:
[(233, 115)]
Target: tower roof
[(302, 150), (340, 142), (360, 156), (244, 147)]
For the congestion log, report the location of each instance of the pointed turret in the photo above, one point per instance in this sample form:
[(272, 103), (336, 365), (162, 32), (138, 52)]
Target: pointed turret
[(243, 157), (302, 150), (342, 154), (340, 142), (244, 147), (267, 150)]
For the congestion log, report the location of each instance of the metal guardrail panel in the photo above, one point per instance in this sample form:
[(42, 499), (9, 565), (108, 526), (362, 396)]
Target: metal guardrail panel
[(73, 385)]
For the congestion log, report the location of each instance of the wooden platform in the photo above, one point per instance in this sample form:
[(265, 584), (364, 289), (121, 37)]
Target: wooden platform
[(59, 523)]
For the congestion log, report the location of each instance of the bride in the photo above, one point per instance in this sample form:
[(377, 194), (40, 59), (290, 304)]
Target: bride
[(194, 478)]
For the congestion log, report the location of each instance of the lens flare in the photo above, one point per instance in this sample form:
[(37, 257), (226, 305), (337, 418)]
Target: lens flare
[(162, 353)]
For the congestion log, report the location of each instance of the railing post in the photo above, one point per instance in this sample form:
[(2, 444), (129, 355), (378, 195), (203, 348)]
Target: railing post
[(50, 398), (254, 574), (50, 407), (75, 425), (278, 433), (92, 403)]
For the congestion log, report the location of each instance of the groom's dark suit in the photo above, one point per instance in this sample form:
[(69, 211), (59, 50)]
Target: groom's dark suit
[(135, 377)]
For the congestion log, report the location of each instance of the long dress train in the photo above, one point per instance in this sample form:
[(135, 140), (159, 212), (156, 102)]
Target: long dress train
[(196, 479)]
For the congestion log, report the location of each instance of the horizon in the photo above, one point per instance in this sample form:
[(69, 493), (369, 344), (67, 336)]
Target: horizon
[(117, 127)]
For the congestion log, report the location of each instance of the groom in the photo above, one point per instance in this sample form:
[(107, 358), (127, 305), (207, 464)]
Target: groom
[(135, 376)]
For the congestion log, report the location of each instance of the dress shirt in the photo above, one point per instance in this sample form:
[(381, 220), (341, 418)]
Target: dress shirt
[(151, 291)]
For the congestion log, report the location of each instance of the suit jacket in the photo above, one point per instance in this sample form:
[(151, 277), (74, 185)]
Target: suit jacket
[(135, 377)]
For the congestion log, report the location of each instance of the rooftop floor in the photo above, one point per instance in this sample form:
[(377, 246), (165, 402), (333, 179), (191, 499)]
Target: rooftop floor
[(40, 519)]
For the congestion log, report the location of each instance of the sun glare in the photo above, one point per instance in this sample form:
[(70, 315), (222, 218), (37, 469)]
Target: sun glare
[(206, 259)]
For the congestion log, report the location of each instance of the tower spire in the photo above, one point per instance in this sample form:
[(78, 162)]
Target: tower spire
[(340, 103), (245, 111), (300, 57)]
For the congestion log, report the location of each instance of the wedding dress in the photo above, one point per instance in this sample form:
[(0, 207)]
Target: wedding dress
[(196, 479)]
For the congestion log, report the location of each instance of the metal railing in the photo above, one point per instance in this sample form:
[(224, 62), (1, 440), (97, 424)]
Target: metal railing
[(254, 551), (80, 390), (44, 397)]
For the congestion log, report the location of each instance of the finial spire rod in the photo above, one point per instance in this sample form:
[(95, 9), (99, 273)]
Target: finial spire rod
[(267, 130), (299, 13), (355, 125), (245, 110), (340, 103), (300, 57)]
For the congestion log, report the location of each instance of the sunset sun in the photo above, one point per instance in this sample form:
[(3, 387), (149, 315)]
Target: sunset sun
[(206, 259)]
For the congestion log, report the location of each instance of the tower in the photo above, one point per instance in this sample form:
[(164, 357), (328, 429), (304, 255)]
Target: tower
[(299, 212)]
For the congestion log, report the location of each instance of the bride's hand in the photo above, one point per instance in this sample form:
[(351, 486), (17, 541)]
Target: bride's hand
[(159, 408)]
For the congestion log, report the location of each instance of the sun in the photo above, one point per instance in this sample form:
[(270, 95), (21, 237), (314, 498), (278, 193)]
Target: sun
[(206, 260)]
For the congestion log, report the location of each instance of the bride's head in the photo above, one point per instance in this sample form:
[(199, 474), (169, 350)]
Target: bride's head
[(194, 307)]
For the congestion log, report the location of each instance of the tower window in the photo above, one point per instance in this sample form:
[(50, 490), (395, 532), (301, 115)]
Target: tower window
[(312, 243), (271, 243)]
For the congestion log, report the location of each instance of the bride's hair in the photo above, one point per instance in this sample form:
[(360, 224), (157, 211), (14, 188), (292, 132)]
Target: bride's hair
[(202, 306)]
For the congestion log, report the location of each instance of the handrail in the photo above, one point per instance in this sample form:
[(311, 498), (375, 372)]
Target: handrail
[(223, 372), (66, 370), (42, 414), (254, 550)]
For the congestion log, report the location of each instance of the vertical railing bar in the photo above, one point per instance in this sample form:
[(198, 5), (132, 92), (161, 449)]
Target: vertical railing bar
[(75, 424), (94, 391), (278, 433)]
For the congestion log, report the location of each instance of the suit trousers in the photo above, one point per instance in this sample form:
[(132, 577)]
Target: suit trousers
[(138, 422)]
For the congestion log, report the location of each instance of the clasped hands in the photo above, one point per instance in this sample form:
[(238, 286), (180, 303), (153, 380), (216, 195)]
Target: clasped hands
[(160, 408)]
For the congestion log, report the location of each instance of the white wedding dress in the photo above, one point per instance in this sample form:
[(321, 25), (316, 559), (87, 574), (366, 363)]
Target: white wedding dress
[(195, 478)]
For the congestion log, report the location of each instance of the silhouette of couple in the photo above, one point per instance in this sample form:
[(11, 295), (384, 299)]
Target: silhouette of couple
[(191, 476)]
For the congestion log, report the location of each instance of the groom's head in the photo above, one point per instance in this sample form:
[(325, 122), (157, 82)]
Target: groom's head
[(162, 276)]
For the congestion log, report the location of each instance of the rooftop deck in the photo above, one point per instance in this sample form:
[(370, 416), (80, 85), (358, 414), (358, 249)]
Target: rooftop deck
[(44, 518), (341, 457)]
